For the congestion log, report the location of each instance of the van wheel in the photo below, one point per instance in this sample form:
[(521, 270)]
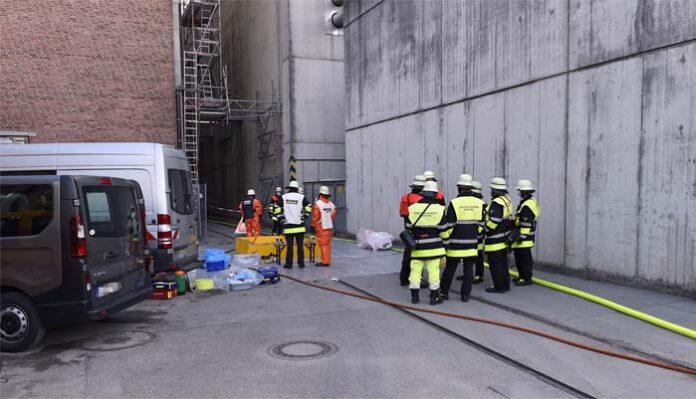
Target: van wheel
[(20, 326)]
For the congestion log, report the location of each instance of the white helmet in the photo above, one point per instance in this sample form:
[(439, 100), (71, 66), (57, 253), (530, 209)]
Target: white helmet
[(279, 190), (418, 181), (430, 186), (251, 192), (525, 185), (477, 187), (465, 180), (429, 175), (293, 184), (498, 183), (324, 190)]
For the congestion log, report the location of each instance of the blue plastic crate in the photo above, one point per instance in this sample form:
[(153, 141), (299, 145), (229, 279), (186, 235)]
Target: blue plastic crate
[(213, 266)]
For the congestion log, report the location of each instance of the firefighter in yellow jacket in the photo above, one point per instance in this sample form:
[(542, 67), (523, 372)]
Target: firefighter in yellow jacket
[(498, 219), (465, 216), (427, 224), (522, 239)]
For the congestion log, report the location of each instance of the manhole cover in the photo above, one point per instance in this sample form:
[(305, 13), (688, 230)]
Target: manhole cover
[(117, 340), (303, 350)]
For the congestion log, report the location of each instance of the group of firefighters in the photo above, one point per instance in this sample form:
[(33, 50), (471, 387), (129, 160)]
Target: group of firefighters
[(459, 232), (463, 231), (288, 211)]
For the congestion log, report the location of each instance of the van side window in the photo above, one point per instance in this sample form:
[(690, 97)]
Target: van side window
[(181, 196), (111, 211), (25, 209)]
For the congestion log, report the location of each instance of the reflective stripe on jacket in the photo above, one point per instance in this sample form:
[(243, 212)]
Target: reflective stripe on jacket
[(465, 217), (526, 221), (498, 218), (429, 230)]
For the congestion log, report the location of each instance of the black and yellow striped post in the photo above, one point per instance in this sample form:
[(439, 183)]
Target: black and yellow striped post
[(293, 168)]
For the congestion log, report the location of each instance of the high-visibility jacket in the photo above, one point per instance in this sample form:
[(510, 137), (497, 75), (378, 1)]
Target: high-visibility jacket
[(408, 200), (273, 206), (465, 216), (323, 214), (498, 220), (482, 228), (251, 208), (293, 212), (430, 229), (526, 219)]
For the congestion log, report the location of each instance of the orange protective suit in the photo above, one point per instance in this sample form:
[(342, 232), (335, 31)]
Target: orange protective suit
[(253, 225), (323, 235)]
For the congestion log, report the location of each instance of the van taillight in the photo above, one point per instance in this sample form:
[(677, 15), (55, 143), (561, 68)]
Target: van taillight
[(164, 231), (78, 243)]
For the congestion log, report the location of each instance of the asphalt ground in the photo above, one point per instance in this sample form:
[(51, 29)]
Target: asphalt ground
[(219, 344)]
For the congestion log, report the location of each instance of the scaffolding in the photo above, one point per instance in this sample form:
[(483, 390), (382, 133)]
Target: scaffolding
[(205, 98)]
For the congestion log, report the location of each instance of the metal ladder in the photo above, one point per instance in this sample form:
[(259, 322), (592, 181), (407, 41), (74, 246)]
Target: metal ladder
[(189, 142)]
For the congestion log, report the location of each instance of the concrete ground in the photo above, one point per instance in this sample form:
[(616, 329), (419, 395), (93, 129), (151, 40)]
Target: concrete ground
[(219, 344)]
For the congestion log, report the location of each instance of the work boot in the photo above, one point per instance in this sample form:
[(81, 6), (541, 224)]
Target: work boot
[(435, 297), (301, 265), (465, 298), (520, 282), (445, 295), (287, 267), (414, 296), (495, 290), (477, 280)]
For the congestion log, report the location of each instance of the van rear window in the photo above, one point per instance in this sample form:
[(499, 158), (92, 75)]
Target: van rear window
[(111, 211), (25, 209), (181, 195)]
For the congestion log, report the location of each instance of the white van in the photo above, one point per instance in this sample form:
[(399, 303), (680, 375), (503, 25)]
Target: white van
[(161, 170)]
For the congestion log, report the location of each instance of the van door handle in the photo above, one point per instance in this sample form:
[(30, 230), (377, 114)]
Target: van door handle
[(110, 254)]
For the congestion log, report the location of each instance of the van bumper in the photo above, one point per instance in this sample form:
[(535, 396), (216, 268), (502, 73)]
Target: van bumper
[(118, 305), (67, 313)]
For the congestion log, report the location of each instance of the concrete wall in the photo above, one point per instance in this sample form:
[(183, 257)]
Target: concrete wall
[(592, 100), (313, 92), (282, 46)]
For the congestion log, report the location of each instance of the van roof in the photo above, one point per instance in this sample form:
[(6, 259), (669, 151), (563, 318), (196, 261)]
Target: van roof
[(134, 148)]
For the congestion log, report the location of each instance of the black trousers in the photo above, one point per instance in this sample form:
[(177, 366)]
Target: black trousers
[(277, 227), (498, 262), (451, 267), (299, 239), (405, 266), (479, 265), (524, 262)]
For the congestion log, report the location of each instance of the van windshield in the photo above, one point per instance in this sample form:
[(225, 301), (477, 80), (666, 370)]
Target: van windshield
[(111, 212), (181, 195)]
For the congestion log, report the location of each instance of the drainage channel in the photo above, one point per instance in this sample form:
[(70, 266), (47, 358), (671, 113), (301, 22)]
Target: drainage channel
[(545, 378)]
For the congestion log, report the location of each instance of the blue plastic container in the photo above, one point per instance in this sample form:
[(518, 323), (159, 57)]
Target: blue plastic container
[(214, 266)]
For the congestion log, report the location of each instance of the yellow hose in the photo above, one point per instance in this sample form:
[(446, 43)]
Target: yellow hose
[(687, 332)]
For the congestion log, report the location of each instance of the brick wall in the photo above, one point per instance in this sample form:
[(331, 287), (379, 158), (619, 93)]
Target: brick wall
[(94, 70)]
